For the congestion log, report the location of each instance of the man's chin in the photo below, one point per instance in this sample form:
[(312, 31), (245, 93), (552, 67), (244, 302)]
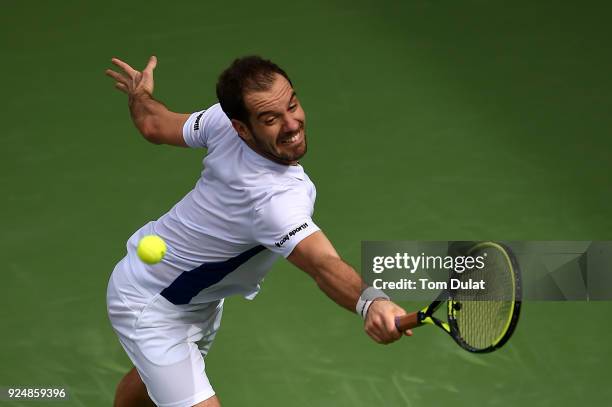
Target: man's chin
[(299, 152), (291, 154)]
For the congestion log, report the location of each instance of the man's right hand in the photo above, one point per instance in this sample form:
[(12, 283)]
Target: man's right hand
[(380, 321)]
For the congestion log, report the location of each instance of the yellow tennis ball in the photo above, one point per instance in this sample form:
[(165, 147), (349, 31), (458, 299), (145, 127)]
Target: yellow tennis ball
[(151, 249)]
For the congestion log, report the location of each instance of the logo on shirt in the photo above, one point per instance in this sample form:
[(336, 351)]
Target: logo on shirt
[(285, 238), (196, 125)]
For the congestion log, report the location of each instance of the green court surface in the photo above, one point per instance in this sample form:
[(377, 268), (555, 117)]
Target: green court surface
[(435, 120)]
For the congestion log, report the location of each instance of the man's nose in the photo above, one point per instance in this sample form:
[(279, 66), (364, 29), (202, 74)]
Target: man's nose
[(290, 124)]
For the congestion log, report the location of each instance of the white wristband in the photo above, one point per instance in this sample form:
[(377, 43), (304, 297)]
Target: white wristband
[(366, 307), (366, 298)]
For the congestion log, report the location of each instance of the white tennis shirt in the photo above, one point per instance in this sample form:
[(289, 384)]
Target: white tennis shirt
[(243, 213)]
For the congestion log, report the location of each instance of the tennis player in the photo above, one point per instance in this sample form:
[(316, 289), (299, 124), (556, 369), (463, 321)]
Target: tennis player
[(252, 204)]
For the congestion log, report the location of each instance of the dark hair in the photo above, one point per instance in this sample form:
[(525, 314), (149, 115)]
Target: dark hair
[(244, 75)]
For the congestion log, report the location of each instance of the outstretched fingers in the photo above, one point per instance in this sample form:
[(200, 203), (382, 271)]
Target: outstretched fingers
[(121, 82), (151, 65), (131, 81), (147, 74), (121, 87), (117, 76), (131, 72)]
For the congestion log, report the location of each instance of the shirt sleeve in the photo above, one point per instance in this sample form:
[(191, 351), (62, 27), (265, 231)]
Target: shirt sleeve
[(283, 221), (201, 128)]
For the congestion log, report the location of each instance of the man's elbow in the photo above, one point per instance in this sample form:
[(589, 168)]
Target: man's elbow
[(151, 133)]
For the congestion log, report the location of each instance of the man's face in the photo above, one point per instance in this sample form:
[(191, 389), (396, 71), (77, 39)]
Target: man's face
[(277, 121)]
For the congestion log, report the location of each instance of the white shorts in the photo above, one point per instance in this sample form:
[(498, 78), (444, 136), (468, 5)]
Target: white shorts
[(166, 342)]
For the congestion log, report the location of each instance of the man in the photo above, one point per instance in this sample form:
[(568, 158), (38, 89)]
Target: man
[(252, 203)]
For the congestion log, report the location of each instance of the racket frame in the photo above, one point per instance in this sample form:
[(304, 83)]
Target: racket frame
[(425, 316), (515, 307)]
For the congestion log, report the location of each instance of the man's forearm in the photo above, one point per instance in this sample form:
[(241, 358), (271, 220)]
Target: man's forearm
[(147, 113), (152, 119), (316, 256), (340, 282)]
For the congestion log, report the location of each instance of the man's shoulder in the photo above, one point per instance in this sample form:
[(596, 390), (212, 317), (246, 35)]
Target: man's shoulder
[(207, 127), (218, 126), (277, 199)]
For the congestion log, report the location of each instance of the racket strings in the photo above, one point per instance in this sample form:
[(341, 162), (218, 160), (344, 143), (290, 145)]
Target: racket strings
[(483, 315)]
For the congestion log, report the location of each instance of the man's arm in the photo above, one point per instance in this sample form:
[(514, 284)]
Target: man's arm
[(154, 121), (317, 257)]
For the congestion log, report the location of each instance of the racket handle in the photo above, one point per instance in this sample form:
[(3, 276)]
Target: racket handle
[(407, 321)]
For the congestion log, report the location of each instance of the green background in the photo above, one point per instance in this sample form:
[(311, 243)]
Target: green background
[(436, 120)]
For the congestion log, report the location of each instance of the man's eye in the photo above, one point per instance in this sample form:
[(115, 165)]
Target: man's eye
[(270, 121), (293, 107)]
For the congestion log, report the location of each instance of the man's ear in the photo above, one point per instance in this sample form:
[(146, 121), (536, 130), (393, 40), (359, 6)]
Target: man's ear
[(241, 129)]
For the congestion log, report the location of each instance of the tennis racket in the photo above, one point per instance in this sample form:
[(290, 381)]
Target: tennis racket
[(480, 321)]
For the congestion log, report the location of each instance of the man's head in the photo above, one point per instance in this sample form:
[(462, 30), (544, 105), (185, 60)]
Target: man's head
[(258, 97)]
